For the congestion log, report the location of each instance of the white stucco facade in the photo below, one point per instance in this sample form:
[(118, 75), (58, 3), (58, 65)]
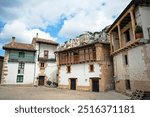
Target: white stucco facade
[(79, 71), (50, 66), (10, 70), (26, 63), (28, 76)]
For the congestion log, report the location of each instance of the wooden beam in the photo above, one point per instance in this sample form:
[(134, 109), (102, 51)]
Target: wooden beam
[(132, 23), (130, 9), (110, 37), (119, 34)]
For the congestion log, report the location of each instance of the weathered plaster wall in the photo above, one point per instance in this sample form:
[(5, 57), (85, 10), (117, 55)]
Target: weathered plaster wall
[(137, 70)]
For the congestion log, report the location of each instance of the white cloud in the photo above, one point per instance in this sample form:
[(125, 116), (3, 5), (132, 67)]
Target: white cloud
[(93, 21), (21, 32), (23, 18), (93, 18)]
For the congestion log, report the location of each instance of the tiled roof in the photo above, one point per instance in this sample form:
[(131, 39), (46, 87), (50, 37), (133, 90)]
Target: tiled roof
[(46, 41), (19, 46)]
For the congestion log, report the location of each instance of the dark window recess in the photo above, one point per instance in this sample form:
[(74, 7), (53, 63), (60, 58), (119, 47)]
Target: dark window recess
[(21, 54), (149, 32), (19, 78), (128, 86), (42, 65), (68, 69), (126, 59), (127, 35), (46, 54), (91, 69)]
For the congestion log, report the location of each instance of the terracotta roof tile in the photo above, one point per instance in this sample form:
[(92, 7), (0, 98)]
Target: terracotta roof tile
[(19, 46), (41, 40)]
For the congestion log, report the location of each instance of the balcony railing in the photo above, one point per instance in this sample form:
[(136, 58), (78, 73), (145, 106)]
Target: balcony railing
[(26, 58), (47, 59), (76, 59)]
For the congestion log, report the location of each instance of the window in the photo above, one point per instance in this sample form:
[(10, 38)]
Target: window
[(91, 68), (128, 87), (68, 69), (42, 65), (19, 78), (149, 32), (127, 35), (46, 54), (126, 59), (21, 54), (21, 68)]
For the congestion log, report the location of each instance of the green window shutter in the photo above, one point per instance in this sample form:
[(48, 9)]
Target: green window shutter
[(21, 54), (19, 78)]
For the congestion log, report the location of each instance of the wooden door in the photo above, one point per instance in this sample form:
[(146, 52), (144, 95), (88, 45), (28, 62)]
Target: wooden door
[(73, 84), (95, 85), (41, 80)]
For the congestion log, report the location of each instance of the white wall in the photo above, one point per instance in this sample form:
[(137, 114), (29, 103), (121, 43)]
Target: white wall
[(13, 72), (50, 48), (136, 68), (51, 69), (143, 18), (79, 71)]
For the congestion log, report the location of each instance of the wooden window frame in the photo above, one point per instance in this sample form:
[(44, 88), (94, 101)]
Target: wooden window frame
[(126, 36), (91, 67), (42, 65), (68, 69), (46, 52)]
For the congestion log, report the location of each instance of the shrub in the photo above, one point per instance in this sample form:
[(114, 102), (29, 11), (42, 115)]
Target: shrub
[(138, 29), (49, 82), (55, 84)]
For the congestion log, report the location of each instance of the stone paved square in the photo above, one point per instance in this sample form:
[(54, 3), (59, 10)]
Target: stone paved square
[(45, 93)]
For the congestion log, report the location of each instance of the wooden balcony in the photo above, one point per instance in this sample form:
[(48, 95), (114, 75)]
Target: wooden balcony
[(77, 59), (42, 59), (26, 59)]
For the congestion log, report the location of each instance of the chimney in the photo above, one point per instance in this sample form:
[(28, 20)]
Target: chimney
[(36, 35), (13, 40)]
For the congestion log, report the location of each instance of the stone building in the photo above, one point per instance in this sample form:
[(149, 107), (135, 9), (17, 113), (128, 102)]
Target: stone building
[(45, 61), (131, 53), (1, 66), (86, 66), (29, 64)]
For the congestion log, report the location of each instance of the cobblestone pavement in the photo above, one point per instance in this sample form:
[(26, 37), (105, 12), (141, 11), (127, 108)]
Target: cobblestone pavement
[(45, 93)]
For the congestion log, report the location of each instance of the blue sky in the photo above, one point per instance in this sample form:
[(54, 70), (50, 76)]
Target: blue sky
[(58, 20)]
